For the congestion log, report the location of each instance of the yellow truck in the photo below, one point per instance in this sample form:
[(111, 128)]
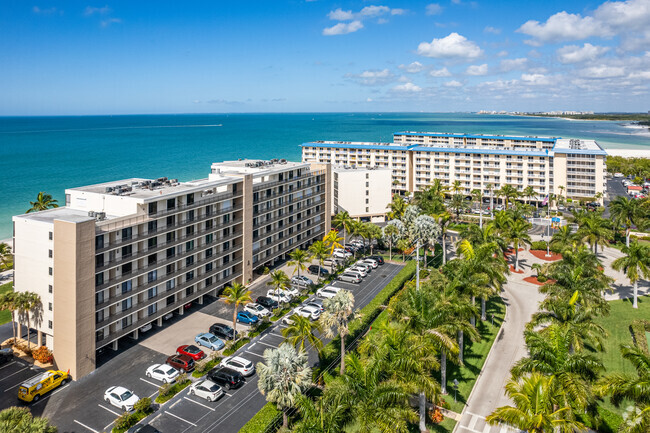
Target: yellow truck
[(34, 388)]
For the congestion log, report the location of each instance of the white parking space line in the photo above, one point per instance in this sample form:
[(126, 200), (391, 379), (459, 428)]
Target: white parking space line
[(256, 354), (108, 426), (111, 411), (277, 335), (200, 404), (487, 428), (266, 344), (473, 422), (12, 362), (470, 429), (150, 383), (15, 386), (15, 373), (49, 395), (154, 393), (84, 425), (182, 419), (473, 414)]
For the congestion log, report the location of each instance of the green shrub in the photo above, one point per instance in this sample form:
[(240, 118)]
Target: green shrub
[(234, 347), (167, 391), (266, 416), (263, 326), (538, 245), (206, 365), (638, 329), (542, 278), (143, 405), (125, 421)]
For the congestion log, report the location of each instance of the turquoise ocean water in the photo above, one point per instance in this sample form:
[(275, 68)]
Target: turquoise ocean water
[(53, 153)]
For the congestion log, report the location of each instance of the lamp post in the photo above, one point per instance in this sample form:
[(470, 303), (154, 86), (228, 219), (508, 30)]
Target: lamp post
[(455, 385)]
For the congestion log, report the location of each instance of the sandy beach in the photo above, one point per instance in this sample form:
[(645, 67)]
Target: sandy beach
[(629, 153)]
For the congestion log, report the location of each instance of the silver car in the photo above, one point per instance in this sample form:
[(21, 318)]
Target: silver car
[(350, 277), (206, 389)]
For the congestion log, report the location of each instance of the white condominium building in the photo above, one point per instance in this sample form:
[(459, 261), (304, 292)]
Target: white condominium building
[(363, 192), (122, 255), (569, 167)]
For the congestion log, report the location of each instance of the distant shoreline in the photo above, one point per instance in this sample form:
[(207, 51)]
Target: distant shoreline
[(634, 119)]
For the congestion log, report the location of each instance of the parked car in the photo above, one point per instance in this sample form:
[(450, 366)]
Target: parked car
[(316, 270), (292, 291), (378, 259), (278, 295), (209, 340), (327, 292), (224, 331), (226, 377), (182, 363), (162, 372), (247, 318), (121, 397), (367, 268), (351, 247), (266, 302), (356, 270), (312, 313), (372, 262), (316, 303), (143, 428), (6, 355), (301, 281), (190, 350), (32, 389), (206, 389), (349, 277), (340, 252), (242, 365), (257, 309)]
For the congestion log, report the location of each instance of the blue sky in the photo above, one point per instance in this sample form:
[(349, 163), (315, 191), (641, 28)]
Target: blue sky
[(121, 57)]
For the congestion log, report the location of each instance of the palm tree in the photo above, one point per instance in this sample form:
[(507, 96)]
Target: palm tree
[(279, 281), (5, 254), (595, 231), (299, 258), (538, 406), (508, 192), (9, 302), (529, 192), (458, 204), (518, 235), (431, 198), (332, 240), (325, 415), (627, 212), (283, 377), (490, 188), (320, 252), (397, 207), (335, 318), (444, 220), (27, 303), (564, 238), (373, 232), (391, 233), (635, 264), (236, 294), (20, 419), (457, 188), (301, 331), (406, 358), (426, 231), (631, 388), (477, 195), (343, 220), (403, 245), (43, 201)]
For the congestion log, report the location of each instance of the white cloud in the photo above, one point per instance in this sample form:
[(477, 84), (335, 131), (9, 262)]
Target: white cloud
[(493, 30), (412, 68), (368, 99), (477, 69), (453, 45), (433, 9), (443, 72), (576, 54), (602, 71), (513, 64), (107, 22), (343, 28), (407, 88), (502, 53), (367, 12), (630, 15), (453, 83), (535, 79), (99, 11), (562, 26), (340, 15), (46, 11), (373, 77)]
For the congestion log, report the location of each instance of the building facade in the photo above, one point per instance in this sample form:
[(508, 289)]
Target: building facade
[(572, 168), (122, 255), (363, 192)]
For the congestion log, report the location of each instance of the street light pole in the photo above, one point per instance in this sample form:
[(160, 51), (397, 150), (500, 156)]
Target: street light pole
[(548, 242), (417, 264)]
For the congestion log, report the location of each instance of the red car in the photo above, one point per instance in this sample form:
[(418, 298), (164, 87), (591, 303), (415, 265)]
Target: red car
[(192, 351), (182, 363)]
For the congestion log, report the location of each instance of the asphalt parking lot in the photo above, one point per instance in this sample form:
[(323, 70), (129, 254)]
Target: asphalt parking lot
[(233, 410), (12, 374)]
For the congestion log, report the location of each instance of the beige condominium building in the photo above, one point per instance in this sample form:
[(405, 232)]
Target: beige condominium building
[(125, 254), (363, 192), (570, 167)]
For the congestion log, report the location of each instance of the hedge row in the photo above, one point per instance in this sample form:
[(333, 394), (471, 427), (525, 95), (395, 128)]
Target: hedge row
[(368, 314), (638, 329), (541, 245), (267, 416)]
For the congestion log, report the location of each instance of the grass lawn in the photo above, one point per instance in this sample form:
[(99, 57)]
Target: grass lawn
[(475, 354), (617, 325), (5, 316)]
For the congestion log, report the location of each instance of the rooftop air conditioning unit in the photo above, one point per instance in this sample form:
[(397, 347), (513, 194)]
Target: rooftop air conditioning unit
[(91, 213), (100, 215)]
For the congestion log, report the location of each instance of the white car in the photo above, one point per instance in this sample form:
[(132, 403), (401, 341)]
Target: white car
[(257, 309), (356, 270), (293, 292), (618, 174), (239, 364), (498, 208), (342, 251), (206, 389), (316, 303), (278, 296), (308, 311), (162, 372), (327, 292), (340, 255), (121, 397), (372, 262)]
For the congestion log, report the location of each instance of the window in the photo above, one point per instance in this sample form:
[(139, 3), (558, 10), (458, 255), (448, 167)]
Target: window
[(208, 267), (190, 198), (152, 276), (127, 250), (171, 220), (99, 297), (171, 204), (189, 276), (51, 271), (226, 246), (126, 304), (99, 279), (127, 233), (171, 236), (171, 252), (226, 231), (152, 292), (189, 245), (127, 268), (209, 238), (208, 253), (99, 242), (190, 215), (49, 324), (189, 291), (170, 268), (49, 306), (226, 218), (50, 235), (49, 254), (151, 310), (152, 226), (99, 260), (49, 288), (189, 261), (99, 316), (126, 322), (152, 259), (208, 210), (99, 335), (189, 230), (170, 285), (153, 208), (126, 286), (208, 282), (208, 224), (152, 243)]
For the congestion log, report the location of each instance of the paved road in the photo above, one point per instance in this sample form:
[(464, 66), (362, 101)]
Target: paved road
[(522, 300)]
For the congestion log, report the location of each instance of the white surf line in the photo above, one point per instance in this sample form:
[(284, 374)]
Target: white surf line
[(200, 404), (111, 411), (150, 383), (84, 425), (182, 419)]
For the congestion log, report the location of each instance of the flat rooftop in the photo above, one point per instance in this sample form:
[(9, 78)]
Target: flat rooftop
[(59, 213), (255, 166), (488, 136), (574, 145)]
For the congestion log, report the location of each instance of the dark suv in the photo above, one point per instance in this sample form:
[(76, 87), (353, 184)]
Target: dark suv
[(378, 259), (314, 270), (226, 377), (183, 363), (267, 302), (223, 331)]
